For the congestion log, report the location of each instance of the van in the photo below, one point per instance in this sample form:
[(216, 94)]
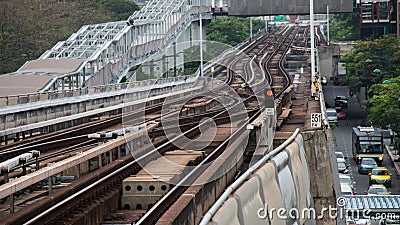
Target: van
[(332, 116)]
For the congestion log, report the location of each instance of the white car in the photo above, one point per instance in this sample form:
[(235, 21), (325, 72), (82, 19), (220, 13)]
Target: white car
[(339, 155), (332, 116), (346, 179)]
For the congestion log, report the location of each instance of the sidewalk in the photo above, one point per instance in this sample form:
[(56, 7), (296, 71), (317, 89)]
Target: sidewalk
[(395, 158)]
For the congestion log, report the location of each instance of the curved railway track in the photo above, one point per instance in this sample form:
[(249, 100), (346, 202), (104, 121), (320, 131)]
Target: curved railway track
[(104, 184)]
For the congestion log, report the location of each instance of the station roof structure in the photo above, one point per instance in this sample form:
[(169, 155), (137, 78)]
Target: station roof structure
[(35, 74)]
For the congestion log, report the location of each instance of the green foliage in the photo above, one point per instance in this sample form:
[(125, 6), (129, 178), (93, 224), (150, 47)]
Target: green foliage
[(367, 56), (232, 30), (30, 27), (382, 54), (192, 55), (345, 26), (384, 105)]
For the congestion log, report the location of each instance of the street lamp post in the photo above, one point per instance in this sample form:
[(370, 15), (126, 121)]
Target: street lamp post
[(201, 45), (378, 71), (313, 88), (251, 28)]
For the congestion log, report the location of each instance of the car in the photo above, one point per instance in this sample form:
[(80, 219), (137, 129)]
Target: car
[(342, 166), (346, 189), (366, 165), (377, 189), (341, 101), (339, 155), (380, 175), (341, 115), (346, 179), (332, 116)]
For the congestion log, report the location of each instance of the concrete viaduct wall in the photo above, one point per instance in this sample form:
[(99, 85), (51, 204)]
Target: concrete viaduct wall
[(69, 109)]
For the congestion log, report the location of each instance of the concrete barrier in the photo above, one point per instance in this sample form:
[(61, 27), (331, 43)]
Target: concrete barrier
[(249, 201), (302, 154), (227, 214), (285, 181), (299, 174), (270, 191), (277, 192)]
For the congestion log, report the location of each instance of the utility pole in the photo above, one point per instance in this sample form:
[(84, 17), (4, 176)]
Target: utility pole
[(201, 45)]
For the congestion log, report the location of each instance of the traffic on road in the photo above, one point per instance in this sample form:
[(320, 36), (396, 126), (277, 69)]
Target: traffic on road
[(370, 172)]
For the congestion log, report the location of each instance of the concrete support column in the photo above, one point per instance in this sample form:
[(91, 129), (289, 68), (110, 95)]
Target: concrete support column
[(163, 27), (134, 35), (71, 82), (150, 32), (142, 35), (146, 33), (193, 33), (156, 31), (166, 26), (139, 35)]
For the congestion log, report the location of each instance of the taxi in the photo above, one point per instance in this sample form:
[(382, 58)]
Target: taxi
[(380, 175)]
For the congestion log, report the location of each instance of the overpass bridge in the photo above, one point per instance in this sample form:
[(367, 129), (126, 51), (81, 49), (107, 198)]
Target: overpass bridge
[(101, 54), (302, 170)]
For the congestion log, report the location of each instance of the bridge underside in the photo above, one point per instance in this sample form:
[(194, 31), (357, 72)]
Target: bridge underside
[(285, 7)]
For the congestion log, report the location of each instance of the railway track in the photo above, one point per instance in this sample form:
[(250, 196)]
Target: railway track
[(104, 185)]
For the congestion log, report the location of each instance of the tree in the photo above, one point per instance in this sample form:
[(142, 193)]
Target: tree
[(345, 26), (384, 105), (367, 56), (211, 50), (29, 28), (232, 30)]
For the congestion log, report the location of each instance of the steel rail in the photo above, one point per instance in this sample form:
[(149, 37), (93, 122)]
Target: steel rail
[(101, 180)]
